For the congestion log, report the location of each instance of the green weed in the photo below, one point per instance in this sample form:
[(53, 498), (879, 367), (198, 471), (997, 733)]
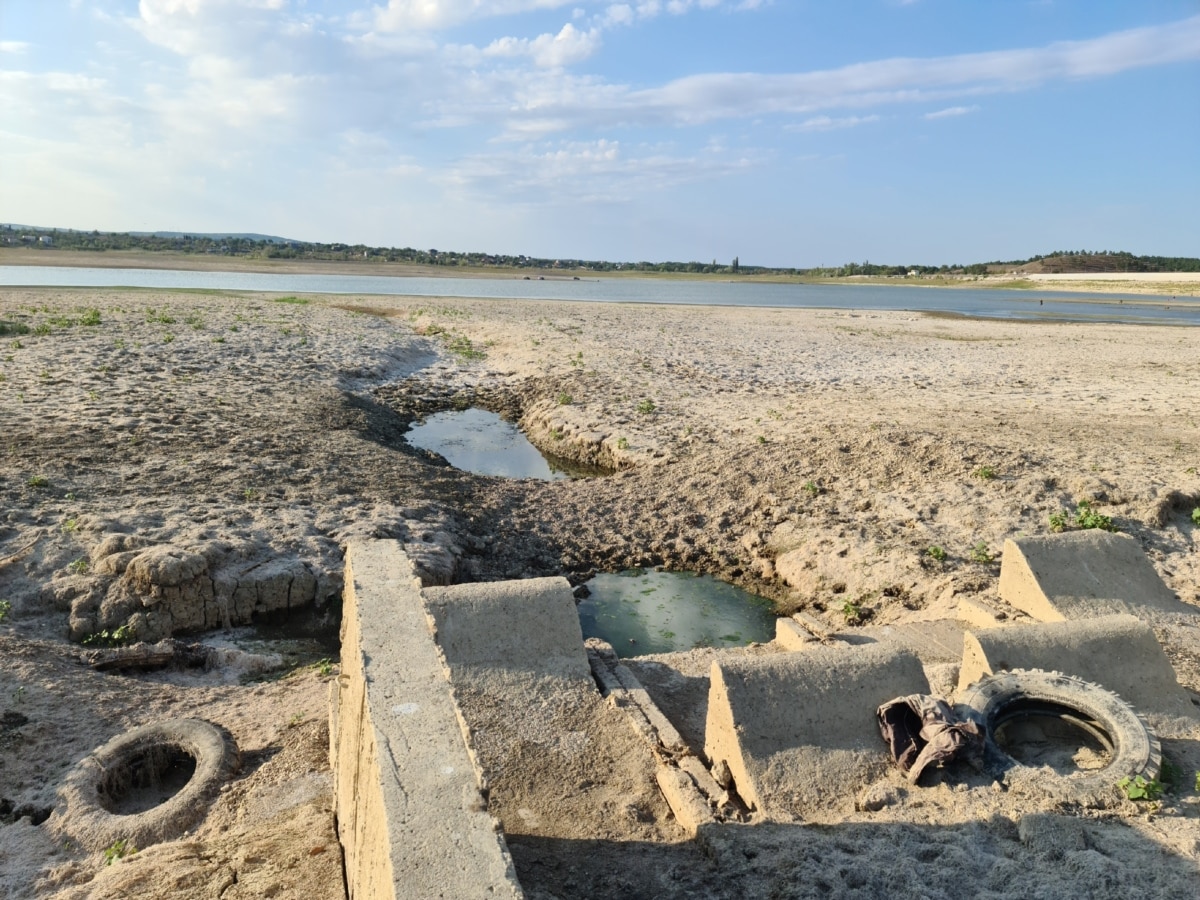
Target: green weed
[(90, 317), (118, 850), (1141, 788), (761, 439), (646, 407), (811, 488), (980, 553), (78, 566), (564, 399), (38, 482), (622, 444), (985, 473), (1196, 516), (936, 552), (5, 609), (852, 612), (298, 301), (1058, 521), (116, 638), (1086, 517)]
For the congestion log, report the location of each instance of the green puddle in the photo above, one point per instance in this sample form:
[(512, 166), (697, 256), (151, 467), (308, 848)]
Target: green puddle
[(641, 611)]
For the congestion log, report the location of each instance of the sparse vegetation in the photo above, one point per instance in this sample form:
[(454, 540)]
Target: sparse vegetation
[(985, 473), (811, 488), (38, 482), (78, 566), (936, 553), (117, 637), (646, 407), (1086, 517), (5, 609), (299, 301), (1141, 788), (622, 444), (852, 612), (980, 553), (564, 399), (118, 850), (1196, 516)]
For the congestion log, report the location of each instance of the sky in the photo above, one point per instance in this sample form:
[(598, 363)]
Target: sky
[(796, 133)]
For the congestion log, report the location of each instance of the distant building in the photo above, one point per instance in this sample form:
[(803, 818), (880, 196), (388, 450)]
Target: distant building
[(47, 240)]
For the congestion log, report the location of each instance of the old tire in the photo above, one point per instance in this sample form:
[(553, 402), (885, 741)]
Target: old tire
[(147, 785), (1006, 697)]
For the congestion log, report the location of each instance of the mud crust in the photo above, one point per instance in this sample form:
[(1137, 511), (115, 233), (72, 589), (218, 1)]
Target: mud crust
[(1135, 750), (90, 814)]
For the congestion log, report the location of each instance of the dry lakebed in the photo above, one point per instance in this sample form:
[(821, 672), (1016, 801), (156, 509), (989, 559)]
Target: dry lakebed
[(190, 465)]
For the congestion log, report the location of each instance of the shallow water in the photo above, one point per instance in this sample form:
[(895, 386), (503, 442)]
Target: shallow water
[(641, 612), (976, 302), (479, 441)]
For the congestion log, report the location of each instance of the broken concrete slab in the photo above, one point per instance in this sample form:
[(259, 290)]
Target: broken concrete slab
[(1117, 652), (410, 815), (790, 636), (525, 626), (798, 730), (1083, 574)]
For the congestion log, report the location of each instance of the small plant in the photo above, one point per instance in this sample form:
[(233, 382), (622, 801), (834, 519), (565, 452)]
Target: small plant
[(5, 609), (38, 482), (78, 566), (90, 317), (118, 850), (43, 329), (324, 667), (646, 407), (577, 360), (1086, 517), (811, 488), (761, 439), (297, 719), (936, 552), (985, 473), (853, 613), (460, 345), (1196, 516), (70, 525), (116, 638), (980, 553), (1141, 788), (1170, 775), (622, 444), (1196, 785), (557, 434), (564, 399), (1058, 521), (168, 338), (299, 301)]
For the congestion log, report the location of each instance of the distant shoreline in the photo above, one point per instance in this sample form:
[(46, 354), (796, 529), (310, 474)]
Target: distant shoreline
[(1182, 284)]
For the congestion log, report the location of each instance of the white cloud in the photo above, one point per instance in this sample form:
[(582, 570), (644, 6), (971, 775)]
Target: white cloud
[(951, 111), (430, 14), (13, 46), (826, 123), (570, 45)]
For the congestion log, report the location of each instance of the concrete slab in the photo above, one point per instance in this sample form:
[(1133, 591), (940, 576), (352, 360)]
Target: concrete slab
[(798, 730), (1117, 652), (527, 626), (933, 642), (1083, 574), (411, 818)]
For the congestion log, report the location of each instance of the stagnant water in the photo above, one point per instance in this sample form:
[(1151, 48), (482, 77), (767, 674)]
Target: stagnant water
[(641, 611), (479, 441)]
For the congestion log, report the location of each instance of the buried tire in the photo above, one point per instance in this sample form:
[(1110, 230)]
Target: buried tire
[(1031, 720), (147, 785)]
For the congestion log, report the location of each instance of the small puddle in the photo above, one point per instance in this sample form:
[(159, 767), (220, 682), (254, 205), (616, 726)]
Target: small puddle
[(481, 442), (641, 611)]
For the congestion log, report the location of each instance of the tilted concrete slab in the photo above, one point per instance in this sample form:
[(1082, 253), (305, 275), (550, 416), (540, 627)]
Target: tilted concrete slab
[(1118, 652), (411, 818), (1084, 574), (798, 730), (527, 626)]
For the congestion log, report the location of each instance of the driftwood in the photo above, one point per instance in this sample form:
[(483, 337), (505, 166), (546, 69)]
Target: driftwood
[(149, 656)]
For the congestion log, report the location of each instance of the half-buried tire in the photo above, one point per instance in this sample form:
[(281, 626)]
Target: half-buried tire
[(1057, 736), (147, 785)]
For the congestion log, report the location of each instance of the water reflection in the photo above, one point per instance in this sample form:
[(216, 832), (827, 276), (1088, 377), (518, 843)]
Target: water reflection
[(479, 441), (641, 612)]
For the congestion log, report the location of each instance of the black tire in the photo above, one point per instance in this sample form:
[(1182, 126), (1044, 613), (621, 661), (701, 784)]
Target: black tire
[(192, 757), (1134, 750)]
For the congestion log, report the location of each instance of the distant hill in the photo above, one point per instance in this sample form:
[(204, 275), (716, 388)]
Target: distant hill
[(218, 236), (1084, 262)]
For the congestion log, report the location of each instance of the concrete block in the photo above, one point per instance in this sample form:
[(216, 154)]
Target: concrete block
[(529, 626), (1118, 652), (411, 818), (690, 808), (790, 636), (1083, 574), (798, 730), (977, 614)]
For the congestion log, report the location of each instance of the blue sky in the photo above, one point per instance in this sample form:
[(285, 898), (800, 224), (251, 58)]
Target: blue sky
[(786, 133)]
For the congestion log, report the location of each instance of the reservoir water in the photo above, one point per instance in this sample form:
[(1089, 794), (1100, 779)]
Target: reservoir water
[(642, 611), (1000, 304)]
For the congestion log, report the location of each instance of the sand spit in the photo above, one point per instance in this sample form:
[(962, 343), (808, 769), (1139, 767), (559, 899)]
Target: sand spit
[(178, 462)]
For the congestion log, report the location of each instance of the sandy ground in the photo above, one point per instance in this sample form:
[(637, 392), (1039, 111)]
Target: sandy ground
[(191, 462)]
